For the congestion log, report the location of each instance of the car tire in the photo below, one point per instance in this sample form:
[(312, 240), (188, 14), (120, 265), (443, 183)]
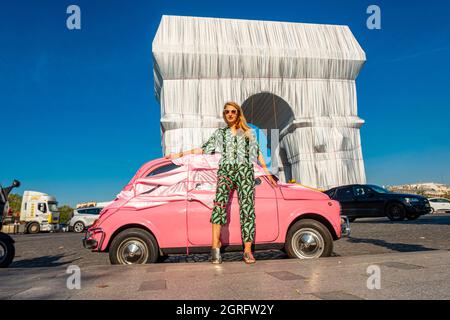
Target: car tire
[(78, 227), (432, 210), (7, 253), (133, 246), (308, 239), (33, 228), (395, 212)]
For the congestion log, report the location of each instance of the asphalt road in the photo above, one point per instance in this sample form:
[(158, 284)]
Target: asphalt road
[(369, 236)]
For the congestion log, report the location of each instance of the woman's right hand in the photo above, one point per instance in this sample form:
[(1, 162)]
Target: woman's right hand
[(172, 156)]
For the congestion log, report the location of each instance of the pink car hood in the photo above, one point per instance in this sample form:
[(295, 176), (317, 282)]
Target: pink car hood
[(298, 192), (196, 172)]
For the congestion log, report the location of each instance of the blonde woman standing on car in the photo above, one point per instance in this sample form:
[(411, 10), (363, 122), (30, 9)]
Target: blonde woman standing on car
[(239, 149)]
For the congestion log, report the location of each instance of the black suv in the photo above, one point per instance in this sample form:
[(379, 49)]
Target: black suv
[(365, 200)]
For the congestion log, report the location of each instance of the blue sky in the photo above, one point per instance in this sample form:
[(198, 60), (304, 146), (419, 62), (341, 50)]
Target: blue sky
[(79, 116)]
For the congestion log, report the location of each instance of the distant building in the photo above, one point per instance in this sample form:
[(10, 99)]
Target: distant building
[(429, 189)]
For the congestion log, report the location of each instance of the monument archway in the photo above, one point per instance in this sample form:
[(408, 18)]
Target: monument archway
[(310, 69), (272, 115)]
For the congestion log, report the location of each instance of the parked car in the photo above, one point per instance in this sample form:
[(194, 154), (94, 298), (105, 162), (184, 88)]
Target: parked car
[(84, 217), (166, 207), (439, 205), (364, 201)]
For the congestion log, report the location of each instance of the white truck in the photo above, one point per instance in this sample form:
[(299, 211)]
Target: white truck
[(39, 212)]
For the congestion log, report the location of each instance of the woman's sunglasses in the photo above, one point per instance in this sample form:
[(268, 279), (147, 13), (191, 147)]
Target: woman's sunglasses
[(233, 111)]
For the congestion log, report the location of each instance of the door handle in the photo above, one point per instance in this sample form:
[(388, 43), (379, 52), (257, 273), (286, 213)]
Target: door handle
[(190, 199)]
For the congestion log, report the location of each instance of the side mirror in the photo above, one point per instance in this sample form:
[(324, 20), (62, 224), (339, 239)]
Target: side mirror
[(16, 183)]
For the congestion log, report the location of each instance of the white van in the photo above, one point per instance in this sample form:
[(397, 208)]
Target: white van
[(39, 212), (84, 216)]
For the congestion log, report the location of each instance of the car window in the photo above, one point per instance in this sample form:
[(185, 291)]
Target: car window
[(330, 192), (344, 194), (360, 191), (81, 211), (93, 211), (42, 207), (162, 169)]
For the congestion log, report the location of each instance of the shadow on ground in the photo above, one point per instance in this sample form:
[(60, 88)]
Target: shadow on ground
[(227, 256), (423, 220), (45, 261), (399, 247)]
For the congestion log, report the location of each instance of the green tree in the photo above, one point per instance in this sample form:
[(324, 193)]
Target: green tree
[(65, 213), (15, 201)]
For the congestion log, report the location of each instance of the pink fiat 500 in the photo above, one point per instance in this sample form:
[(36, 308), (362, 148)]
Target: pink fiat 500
[(166, 207)]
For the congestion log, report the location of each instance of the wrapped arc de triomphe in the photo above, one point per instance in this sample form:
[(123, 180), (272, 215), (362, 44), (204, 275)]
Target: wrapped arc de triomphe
[(295, 81)]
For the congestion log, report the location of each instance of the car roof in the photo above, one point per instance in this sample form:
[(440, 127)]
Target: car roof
[(346, 186)]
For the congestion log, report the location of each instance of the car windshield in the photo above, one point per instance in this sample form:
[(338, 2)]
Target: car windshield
[(379, 189)]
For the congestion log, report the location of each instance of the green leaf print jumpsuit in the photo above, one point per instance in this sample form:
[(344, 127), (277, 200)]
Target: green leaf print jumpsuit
[(235, 172)]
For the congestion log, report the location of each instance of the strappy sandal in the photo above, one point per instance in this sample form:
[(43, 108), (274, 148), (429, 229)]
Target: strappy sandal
[(249, 258)]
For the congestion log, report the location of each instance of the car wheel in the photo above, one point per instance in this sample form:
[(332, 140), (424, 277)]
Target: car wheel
[(133, 246), (412, 216), (432, 210), (78, 227), (351, 219), (7, 252), (33, 228), (308, 239), (395, 212)]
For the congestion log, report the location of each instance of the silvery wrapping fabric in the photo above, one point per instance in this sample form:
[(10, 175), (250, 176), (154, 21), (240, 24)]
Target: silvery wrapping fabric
[(295, 80), (195, 178)]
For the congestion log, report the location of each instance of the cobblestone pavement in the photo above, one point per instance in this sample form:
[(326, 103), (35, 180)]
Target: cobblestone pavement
[(407, 275), (369, 236)]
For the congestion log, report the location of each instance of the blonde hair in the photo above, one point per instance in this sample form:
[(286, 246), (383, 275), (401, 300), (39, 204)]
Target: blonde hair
[(241, 121)]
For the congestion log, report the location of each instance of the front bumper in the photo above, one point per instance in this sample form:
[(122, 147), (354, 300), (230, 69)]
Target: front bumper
[(419, 208), (93, 239), (345, 227)]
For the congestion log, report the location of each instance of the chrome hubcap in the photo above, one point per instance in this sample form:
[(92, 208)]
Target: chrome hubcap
[(133, 251), (78, 227), (308, 244)]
